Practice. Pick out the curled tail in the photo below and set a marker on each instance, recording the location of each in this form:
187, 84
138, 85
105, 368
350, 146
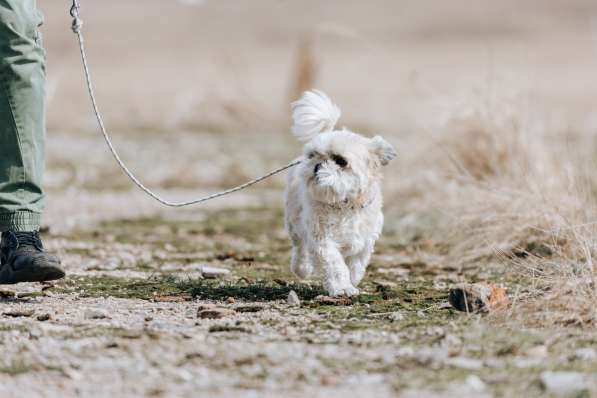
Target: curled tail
312, 114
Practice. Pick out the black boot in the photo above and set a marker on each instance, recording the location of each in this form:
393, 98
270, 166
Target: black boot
23, 259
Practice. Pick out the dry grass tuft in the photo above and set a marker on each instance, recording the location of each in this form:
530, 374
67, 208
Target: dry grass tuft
518, 197
306, 69
483, 148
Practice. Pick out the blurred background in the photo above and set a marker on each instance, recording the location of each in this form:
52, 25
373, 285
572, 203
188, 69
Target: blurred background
197, 92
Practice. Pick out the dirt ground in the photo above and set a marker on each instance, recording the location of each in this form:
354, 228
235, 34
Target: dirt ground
197, 95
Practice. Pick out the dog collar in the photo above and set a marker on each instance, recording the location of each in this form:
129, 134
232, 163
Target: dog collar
345, 205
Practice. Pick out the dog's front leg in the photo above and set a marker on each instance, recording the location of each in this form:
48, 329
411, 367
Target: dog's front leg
336, 276
357, 264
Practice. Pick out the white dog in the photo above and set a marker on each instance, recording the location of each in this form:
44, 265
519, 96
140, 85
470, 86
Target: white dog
333, 199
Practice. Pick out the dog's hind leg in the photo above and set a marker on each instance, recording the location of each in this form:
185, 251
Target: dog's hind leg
300, 264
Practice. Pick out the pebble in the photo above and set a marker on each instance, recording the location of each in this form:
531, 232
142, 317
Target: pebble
477, 297
293, 299
43, 317
228, 328
213, 272
249, 308
19, 313
215, 313
207, 306
396, 316
92, 313
563, 383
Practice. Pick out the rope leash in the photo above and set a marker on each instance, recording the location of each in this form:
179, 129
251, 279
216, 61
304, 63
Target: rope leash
76, 27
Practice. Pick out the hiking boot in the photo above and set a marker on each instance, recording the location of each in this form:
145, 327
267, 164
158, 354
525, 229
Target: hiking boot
23, 259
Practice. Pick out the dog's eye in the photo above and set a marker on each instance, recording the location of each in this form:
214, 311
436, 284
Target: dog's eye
339, 160
311, 155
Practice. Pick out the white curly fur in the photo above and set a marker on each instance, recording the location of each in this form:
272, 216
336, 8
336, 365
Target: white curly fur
333, 199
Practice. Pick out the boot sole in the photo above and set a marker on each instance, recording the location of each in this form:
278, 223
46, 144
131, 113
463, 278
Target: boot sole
38, 275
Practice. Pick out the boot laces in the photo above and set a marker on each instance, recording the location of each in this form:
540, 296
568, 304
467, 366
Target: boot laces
29, 239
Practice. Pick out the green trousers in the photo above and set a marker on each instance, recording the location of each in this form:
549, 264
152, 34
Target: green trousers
22, 116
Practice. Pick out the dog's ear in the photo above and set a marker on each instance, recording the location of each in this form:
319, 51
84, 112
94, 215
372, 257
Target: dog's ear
384, 151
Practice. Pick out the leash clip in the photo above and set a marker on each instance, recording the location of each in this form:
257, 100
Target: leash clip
74, 13
74, 10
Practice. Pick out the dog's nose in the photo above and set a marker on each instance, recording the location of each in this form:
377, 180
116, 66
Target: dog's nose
317, 167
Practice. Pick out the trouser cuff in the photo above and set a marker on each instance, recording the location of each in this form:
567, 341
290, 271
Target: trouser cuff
20, 221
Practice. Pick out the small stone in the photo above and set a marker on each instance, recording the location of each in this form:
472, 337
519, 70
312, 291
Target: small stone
19, 313
213, 272
94, 313
563, 383
172, 298
215, 313
396, 316
148, 319
231, 300
477, 297
249, 308
293, 299
43, 317
228, 328
206, 306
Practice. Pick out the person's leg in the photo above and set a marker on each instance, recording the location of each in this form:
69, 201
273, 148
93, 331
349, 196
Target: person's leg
22, 116
22, 139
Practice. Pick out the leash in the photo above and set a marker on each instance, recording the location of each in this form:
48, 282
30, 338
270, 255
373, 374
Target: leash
76, 27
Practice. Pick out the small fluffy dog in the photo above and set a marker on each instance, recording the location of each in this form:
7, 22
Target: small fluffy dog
333, 198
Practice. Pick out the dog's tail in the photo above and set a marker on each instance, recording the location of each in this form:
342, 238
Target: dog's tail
312, 114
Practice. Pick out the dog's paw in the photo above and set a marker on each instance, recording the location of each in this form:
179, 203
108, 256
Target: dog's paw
347, 291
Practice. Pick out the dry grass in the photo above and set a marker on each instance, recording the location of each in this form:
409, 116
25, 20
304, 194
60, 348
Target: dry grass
305, 69
522, 197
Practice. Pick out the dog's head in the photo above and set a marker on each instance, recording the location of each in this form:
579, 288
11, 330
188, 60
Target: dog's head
341, 166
